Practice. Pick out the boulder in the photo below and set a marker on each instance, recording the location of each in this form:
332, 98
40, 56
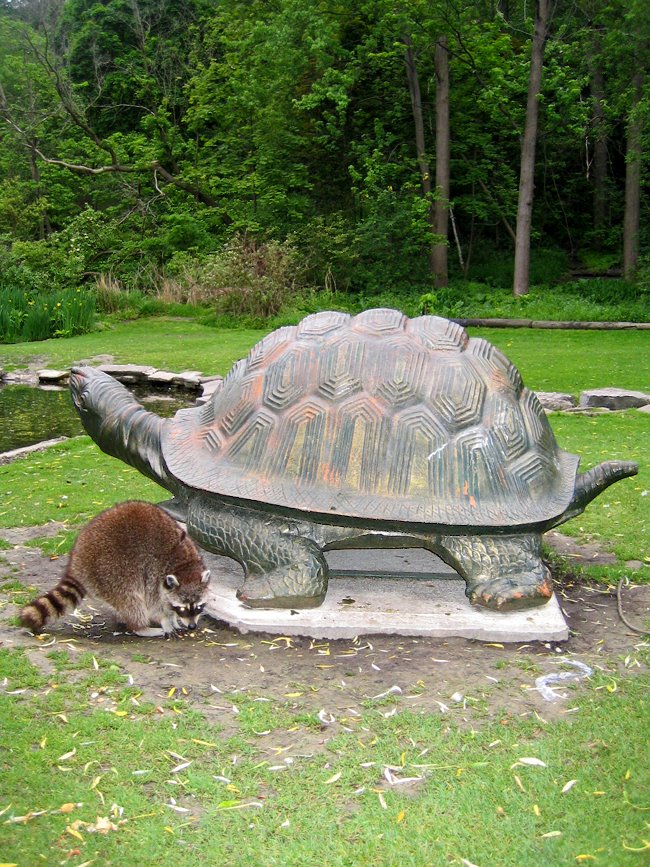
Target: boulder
188, 379
209, 386
128, 372
53, 377
556, 401
614, 398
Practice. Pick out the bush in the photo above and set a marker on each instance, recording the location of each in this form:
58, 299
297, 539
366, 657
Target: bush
247, 279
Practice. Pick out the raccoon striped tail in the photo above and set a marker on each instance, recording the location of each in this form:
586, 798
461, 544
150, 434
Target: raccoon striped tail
67, 594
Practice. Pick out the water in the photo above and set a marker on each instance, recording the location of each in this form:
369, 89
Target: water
29, 415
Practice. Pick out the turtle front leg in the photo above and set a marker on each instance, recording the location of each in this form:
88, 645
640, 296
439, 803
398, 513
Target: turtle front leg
282, 568
504, 573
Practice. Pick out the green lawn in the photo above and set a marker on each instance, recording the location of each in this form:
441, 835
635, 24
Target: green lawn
123, 782
169, 344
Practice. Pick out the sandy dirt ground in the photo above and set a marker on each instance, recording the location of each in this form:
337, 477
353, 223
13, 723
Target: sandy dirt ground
467, 680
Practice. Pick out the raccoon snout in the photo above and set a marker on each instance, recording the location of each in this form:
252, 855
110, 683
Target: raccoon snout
191, 626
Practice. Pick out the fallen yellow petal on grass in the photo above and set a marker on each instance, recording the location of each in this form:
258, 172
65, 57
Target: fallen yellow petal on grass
74, 833
586, 858
67, 756
333, 779
644, 848
400, 816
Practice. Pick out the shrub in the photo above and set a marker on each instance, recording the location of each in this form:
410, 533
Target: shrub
247, 278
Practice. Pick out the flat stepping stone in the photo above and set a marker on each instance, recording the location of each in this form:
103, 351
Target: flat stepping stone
188, 379
53, 376
614, 398
161, 377
128, 372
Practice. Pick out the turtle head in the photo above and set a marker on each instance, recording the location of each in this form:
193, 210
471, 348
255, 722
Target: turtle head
118, 423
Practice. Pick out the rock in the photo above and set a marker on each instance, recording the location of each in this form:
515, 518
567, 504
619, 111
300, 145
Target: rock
188, 379
8, 457
20, 377
556, 401
210, 386
635, 565
53, 377
161, 377
645, 408
128, 372
614, 398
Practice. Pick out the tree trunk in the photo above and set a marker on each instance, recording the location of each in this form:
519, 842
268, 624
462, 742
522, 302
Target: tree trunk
441, 205
45, 228
633, 180
600, 137
418, 121
527, 170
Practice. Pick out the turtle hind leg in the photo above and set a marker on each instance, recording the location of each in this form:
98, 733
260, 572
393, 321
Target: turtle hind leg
503, 573
283, 569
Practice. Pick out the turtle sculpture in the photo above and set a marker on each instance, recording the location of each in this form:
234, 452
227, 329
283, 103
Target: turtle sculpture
360, 431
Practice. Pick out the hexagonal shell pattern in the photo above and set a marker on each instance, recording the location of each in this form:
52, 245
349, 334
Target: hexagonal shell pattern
376, 417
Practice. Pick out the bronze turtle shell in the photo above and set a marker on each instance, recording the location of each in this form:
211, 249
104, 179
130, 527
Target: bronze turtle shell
381, 417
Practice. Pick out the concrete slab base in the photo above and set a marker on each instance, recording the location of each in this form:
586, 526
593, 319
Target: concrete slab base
399, 592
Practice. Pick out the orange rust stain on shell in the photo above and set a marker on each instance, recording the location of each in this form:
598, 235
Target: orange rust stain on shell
466, 488
472, 501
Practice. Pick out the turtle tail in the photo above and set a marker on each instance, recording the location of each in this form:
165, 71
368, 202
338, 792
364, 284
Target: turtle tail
120, 425
595, 481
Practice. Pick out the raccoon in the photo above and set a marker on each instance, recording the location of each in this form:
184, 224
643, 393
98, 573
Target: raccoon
135, 557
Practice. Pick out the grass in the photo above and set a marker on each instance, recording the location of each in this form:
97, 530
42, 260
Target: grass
169, 344
70, 482
620, 517
573, 361
73, 740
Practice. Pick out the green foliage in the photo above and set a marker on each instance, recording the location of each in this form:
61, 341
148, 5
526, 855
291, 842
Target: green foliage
186, 124
28, 316
246, 280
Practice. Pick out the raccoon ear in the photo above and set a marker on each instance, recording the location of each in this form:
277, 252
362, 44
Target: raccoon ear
205, 576
171, 581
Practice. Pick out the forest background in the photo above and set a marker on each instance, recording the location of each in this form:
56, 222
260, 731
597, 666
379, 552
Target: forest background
255, 160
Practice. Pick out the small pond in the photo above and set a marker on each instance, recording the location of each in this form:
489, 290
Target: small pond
29, 415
